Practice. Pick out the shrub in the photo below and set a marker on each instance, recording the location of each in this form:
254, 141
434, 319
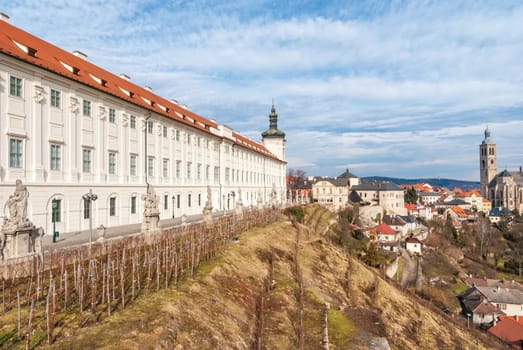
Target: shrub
296, 212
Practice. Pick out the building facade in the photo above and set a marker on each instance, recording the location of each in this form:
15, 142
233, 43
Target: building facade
67, 126
385, 194
504, 189
334, 192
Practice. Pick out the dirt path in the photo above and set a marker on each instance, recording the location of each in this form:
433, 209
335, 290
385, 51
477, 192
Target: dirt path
409, 270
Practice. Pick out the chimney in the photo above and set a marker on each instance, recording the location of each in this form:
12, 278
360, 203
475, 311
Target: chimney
4, 17
125, 77
520, 169
80, 54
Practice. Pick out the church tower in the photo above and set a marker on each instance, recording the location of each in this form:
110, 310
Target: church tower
487, 164
273, 138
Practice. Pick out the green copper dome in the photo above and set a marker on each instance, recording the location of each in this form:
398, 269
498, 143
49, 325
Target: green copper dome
273, 130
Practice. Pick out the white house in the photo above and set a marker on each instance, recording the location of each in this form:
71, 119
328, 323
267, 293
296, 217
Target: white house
67, 126
414, 245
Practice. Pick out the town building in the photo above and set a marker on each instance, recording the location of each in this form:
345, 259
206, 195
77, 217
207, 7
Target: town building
414, 245
429, 198
485, 301
510, 330
334, 192
504, 189
68, 126
385, 194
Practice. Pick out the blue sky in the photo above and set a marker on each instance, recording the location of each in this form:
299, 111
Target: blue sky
392, 88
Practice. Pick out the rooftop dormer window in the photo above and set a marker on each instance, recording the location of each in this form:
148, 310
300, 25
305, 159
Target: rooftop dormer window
71, 69
28, 50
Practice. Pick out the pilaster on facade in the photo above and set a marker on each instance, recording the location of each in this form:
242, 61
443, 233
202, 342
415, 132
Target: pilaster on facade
70, 136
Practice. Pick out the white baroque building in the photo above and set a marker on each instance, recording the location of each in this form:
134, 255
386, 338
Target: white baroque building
67, 126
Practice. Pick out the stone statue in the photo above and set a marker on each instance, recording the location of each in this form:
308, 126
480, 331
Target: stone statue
273, 196
19, 236
17, 205
207, 209
151, 214
150, 201
208, 204
259, 201
239, 203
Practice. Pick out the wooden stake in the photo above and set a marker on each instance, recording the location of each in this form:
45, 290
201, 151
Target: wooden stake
28, 343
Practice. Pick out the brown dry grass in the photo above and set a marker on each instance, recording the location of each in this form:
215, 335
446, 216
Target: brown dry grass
216, 308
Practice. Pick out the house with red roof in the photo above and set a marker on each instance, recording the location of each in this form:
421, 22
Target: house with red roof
385, 233
414, 245
510, 330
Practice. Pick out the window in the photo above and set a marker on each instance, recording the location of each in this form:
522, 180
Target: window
133, 205
216, 173
15, 153
112, 115
199, 171
86, 160
178, 201
56, 210
112, 206
199, 140
132, 165
150, 166
189, 166
226, 174
207, 172
165, 202
87, 209
56, 157
164, 131
165, 167
188, 138
178, 168
177, 135
132, 122
150, 126
112, 163
55, 98
189, 200
15, 86
199, 199
87, 108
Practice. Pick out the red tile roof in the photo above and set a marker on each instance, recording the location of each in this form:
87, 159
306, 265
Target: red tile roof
413, 240
509, 330
384, 229
411, 206
23, 46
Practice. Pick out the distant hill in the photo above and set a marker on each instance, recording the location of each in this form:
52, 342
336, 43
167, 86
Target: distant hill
448, 183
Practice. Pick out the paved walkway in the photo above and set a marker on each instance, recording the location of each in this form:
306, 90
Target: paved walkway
69, 239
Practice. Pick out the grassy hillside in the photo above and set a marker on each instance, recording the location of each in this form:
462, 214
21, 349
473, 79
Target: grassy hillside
250, 298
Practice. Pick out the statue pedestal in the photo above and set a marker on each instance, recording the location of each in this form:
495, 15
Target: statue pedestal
207, 215
151, 223
20, 242
239, 208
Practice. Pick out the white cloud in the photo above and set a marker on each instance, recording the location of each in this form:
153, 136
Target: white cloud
391, 87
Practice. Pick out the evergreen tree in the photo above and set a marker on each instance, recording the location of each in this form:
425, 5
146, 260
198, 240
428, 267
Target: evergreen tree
411, 196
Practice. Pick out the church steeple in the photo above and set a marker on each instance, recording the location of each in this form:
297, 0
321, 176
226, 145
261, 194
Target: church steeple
273, 130
273, 138
487, 164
